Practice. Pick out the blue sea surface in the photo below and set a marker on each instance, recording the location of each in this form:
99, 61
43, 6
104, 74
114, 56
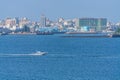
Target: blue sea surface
66, 58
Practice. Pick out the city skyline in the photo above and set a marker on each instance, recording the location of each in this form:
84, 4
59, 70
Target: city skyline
54, 9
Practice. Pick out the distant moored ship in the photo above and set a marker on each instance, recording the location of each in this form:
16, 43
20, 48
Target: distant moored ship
44, 33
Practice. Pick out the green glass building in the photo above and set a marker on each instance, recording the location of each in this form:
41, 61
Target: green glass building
98, 24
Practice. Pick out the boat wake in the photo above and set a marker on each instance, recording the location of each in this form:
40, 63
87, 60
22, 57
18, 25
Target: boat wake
110, 57
37, 53
62, 55
103, 56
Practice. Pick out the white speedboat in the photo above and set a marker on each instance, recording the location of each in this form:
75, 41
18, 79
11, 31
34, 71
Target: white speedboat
39, 53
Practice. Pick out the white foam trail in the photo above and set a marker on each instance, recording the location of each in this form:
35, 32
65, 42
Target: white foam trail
101, 56
20, 55
61, 55
37, 53
110, 57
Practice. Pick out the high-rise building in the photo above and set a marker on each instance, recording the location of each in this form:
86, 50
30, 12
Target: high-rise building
2, 23
43, 21
96, 24
16, 20
9, 22
24, 21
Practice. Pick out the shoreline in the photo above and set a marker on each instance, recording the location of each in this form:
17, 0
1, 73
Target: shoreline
86, 36
22, 34
70, 36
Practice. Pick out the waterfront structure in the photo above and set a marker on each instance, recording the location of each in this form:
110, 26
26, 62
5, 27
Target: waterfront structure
92, 24
63, 25
26, 28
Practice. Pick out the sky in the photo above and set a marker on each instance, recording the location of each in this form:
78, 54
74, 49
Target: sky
54, 9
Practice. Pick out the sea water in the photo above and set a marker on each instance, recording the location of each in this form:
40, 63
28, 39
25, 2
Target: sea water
66, 58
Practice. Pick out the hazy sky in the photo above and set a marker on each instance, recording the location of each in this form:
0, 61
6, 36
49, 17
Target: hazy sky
54, 9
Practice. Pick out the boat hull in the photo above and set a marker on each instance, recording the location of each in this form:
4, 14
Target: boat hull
116, 35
